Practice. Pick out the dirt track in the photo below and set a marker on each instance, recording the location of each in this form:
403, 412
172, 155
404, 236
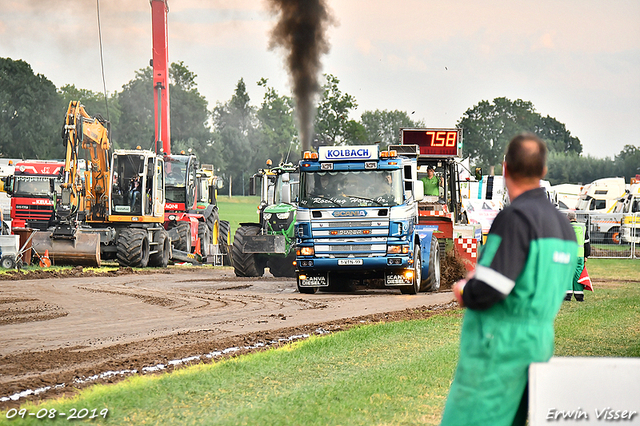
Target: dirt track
62, 331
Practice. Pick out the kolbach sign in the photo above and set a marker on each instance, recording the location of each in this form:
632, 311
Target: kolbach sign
343, 153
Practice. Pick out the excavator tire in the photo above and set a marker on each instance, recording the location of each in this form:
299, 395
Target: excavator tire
161, 257
133, 248
246, 264
183, 242
224, 241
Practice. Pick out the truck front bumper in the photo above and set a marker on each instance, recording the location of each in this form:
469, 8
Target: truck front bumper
318, 272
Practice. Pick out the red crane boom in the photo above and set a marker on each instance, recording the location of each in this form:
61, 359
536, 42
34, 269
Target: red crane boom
159, 10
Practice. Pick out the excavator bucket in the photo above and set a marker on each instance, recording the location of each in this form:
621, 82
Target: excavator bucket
84, 249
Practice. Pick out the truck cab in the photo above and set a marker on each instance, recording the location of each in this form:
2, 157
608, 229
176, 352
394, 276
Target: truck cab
34, 188
596, 207
356, 220
629, 207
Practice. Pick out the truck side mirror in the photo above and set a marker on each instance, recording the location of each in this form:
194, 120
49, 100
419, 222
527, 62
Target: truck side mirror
252, 185
8, 185
418, 190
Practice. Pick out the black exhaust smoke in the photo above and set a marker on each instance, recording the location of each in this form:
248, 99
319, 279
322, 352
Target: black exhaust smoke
301, 32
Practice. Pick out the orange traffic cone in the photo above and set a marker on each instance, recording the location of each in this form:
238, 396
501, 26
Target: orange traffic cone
45, 262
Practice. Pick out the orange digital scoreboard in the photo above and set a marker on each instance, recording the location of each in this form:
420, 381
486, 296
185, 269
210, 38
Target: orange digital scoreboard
434, 142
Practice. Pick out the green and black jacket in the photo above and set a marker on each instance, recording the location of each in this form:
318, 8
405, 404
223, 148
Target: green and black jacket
529, 244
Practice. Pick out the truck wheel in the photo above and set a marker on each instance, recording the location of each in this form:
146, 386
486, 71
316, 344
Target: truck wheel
613, 236
432, 283
224, 241
282, 266
183, 243
414, 288
133, 248
204, 234
161, 258
246, 264
306, 290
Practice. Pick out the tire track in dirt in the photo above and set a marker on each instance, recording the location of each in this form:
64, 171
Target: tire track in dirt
128, 322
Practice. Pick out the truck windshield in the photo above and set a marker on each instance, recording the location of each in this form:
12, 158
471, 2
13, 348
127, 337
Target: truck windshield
176, 173
35, 186
358, 188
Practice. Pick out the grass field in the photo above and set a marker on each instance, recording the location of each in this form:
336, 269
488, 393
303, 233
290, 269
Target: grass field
237, 210
388, 373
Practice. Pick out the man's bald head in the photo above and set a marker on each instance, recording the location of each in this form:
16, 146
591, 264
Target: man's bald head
526, 158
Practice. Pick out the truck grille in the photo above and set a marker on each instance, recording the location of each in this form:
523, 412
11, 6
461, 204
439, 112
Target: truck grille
25, 212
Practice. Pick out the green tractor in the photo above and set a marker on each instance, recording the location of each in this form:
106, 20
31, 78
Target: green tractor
269, 243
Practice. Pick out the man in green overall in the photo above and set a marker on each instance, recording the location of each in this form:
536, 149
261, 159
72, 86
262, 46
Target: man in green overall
584, 251
512, 297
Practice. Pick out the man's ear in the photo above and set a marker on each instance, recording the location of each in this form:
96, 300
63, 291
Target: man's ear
544, 172
505, 171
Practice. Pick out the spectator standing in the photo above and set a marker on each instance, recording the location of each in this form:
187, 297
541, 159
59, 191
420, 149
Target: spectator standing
512, 297
584, 251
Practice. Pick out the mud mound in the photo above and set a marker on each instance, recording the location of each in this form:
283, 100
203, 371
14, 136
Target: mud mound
452, 270
77, 271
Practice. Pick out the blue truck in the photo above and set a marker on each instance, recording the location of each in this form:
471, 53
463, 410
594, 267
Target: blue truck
363, 217
357, 220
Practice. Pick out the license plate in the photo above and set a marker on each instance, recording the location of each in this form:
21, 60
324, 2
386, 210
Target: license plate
349, 261
314, 281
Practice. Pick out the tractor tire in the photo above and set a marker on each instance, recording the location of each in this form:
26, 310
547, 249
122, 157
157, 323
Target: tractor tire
306, 290
183, 243
211, 223
133, 248
161, 257
414, 288
282, 266
432, 283
204, 234
224, 241
246, 264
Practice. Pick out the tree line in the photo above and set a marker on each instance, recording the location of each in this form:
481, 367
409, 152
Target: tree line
237, 136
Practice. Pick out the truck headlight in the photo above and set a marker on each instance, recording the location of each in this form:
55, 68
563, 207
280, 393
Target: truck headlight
305, 251
398, 249
267, 216
282, 216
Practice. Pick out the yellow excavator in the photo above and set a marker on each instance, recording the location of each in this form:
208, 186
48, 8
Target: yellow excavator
115, 209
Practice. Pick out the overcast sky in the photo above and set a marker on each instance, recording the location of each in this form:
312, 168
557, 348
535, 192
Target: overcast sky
576, 60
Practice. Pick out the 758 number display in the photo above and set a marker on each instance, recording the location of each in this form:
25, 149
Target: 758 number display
437, 142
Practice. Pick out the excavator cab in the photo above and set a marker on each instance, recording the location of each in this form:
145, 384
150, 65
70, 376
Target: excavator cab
137, 179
